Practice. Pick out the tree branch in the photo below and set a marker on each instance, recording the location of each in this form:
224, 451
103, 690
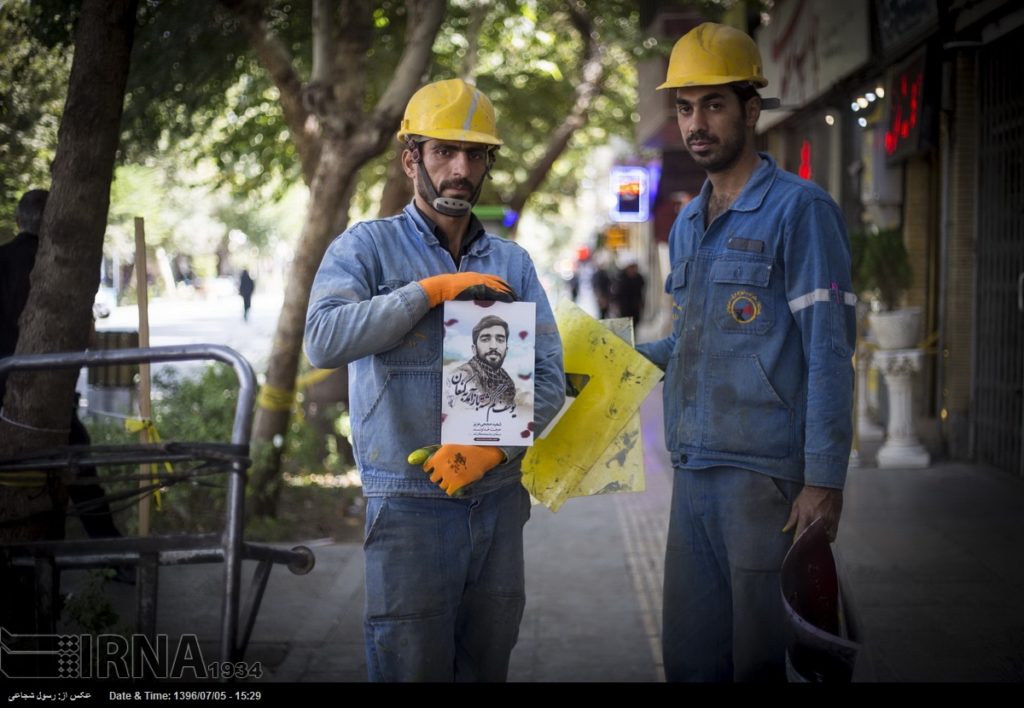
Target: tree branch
425, 18
276, 59
587, 91
477, 14
342, 111
323, 41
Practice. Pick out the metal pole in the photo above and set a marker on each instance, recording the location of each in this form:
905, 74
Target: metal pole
145, 397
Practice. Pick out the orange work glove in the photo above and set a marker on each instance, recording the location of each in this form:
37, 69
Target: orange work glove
452, 467
448, 287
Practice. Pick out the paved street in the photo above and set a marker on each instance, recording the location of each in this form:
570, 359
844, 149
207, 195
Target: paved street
216, 320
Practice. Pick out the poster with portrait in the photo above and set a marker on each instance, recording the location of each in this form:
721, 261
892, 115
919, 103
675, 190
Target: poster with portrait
488, 373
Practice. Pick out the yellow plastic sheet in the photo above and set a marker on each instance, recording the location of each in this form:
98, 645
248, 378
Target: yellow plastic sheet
594, 447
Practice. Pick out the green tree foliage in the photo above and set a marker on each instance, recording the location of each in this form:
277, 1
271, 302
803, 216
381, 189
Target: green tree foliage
198, 90
185, 211
197, 93
33, 81
529, 60
232, 91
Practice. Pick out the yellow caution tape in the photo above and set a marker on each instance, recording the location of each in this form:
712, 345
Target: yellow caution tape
137, 425
312, 377
275, 399
595, 446
27, 478
927, 344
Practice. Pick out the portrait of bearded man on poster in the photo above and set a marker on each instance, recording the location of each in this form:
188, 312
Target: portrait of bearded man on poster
481, 382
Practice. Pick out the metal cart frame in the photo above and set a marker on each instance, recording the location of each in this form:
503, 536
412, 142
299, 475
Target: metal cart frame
149, 553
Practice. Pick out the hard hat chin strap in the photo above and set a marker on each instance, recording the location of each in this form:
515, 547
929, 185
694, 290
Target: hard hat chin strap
444, 205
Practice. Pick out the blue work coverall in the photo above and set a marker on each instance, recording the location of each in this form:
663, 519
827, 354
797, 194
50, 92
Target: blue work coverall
758, 399
444, 577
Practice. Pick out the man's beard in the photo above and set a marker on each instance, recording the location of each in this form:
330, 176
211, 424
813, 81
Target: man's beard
729, 149
496, 364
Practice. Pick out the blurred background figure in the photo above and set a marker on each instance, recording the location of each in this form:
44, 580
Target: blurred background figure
246, 285
17, 259
628, 289
601, 283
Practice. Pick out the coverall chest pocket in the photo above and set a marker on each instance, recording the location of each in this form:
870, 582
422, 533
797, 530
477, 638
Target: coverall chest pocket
420, 345
741, 296
676, 286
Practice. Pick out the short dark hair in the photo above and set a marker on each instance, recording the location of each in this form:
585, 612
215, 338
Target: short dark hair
745, 91
488, 322
28, 216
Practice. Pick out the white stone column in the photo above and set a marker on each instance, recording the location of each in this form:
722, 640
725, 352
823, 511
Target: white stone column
867, 429
901, 448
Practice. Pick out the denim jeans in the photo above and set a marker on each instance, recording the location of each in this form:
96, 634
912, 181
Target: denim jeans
444, 585
723, 617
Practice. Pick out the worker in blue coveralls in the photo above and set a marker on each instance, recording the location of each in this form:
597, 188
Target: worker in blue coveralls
444, 544
759, 379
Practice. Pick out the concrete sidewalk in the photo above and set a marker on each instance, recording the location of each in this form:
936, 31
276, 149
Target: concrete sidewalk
934, 562
932, 557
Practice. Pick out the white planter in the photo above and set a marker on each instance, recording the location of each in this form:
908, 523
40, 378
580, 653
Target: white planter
898, 329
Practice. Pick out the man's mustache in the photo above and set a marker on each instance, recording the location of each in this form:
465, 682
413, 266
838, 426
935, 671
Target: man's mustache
699, 135
460, 183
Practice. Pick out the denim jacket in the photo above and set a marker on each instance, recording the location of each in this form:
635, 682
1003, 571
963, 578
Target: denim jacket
367, 310
758, 366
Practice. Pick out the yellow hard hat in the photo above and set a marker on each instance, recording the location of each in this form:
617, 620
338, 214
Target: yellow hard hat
711, 54
450, 110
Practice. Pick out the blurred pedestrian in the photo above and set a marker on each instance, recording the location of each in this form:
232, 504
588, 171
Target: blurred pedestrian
628, 290
601, 283
246, 285
17, 259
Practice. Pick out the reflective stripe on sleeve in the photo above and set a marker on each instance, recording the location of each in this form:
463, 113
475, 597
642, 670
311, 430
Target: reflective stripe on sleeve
819, 295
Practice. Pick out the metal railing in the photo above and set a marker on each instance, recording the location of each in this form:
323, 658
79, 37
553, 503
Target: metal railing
149, 553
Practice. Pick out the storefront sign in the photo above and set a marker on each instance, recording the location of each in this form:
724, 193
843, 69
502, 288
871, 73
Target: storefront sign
911, 113
631, 194
902, 22
808, 46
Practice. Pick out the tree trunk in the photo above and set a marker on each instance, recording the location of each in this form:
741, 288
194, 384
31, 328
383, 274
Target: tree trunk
397, 188
58, 313
327, 216
348, 138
